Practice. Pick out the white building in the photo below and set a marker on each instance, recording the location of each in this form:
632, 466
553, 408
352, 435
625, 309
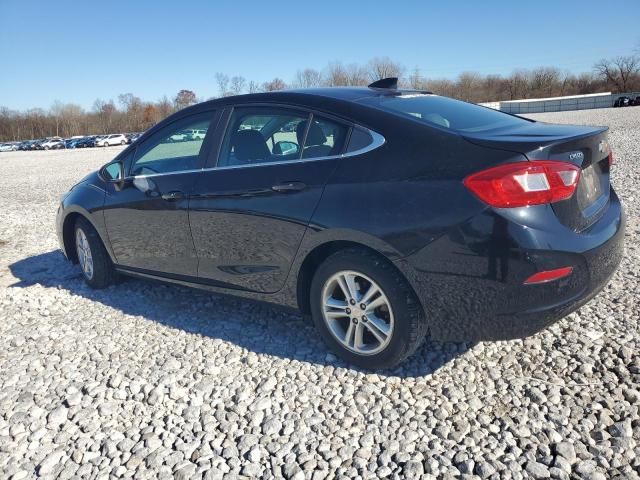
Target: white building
558, 104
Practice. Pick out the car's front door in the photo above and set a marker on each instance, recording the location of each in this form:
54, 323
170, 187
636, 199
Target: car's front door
249, 213
146, 215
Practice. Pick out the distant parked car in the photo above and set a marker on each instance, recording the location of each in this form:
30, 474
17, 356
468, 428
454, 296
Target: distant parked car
86, 142
195, 134
53, 143
26, 145
8, 147
181, 136
72, 142
134, 136
109, 140
37, 144
636, 102
622, 102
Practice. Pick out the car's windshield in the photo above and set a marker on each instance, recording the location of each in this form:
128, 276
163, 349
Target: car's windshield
445, 112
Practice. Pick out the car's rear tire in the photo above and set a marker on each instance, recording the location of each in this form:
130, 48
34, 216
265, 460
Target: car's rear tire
97, 268
373, 330
122, 142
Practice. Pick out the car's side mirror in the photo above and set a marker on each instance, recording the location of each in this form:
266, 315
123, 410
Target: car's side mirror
286, 148
113, 172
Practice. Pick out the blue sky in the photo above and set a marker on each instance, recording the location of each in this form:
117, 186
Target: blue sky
77, 51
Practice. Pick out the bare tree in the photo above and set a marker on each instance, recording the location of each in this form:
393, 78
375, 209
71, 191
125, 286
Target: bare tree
441, 87
164, 108
469, 86
356, 75
133, 111
105, 111
517, 85
416, 81
308, 78
619, 71
133, 114
237, 84
273, 85
543, 80
383, 67
337, 75
223, 84
253, 87
56, 113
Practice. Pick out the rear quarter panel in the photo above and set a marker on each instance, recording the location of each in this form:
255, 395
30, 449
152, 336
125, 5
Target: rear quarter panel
409, 191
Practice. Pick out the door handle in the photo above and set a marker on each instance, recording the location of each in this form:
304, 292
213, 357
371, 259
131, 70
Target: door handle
289, 187
172, 196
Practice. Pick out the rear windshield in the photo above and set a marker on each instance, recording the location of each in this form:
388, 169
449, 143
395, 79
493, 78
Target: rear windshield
445, 112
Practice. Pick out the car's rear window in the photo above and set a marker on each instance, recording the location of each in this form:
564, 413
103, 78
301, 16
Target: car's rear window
444, 112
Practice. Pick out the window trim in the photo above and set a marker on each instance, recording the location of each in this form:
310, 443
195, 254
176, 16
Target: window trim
212, 163
217, 132
378, 141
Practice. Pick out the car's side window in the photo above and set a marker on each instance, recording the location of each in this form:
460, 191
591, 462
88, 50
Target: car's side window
113, 171
325, 138
359, 139
258, 135
172, 149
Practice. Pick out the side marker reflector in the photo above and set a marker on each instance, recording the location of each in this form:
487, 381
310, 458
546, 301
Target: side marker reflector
548, 275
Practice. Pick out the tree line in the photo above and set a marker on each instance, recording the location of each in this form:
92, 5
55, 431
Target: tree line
129, 113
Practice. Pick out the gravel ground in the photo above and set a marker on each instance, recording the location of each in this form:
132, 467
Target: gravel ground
157, 381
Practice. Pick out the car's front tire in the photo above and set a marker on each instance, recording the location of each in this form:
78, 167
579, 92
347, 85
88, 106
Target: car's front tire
365, 310
97, 268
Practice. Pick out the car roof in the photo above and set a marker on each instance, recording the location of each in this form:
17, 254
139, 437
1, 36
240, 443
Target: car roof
342, 102
344, 94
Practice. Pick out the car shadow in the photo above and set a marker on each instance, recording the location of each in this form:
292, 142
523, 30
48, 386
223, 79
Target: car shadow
256, 327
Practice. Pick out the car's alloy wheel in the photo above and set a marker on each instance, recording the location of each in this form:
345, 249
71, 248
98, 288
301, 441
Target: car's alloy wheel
84, 254
365, 309
123, 142
97, 268
357, 312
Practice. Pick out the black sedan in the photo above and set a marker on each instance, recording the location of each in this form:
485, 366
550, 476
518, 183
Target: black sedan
385, 214
86, 142
622, 102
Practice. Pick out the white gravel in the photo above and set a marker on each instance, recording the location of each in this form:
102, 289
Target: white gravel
156, 381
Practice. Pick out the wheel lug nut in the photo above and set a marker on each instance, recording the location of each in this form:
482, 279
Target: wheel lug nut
363, 306
355, 321
348, 310
364, 318
352, 302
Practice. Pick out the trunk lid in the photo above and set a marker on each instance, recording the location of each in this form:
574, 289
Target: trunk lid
585, 147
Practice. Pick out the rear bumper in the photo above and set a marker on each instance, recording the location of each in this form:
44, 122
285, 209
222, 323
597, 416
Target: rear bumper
470, 281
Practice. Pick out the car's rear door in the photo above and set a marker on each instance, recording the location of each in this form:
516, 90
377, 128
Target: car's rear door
249, 210
147, 216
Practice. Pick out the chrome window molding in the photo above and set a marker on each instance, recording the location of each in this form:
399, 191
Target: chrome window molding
377, 141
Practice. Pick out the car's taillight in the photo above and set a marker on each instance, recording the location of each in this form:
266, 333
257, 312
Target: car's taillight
524, 183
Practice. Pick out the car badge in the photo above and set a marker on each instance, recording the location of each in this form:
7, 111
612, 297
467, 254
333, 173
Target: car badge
576, 156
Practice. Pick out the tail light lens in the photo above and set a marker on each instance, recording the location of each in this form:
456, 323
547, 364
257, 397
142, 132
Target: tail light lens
524, 183
611, 161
